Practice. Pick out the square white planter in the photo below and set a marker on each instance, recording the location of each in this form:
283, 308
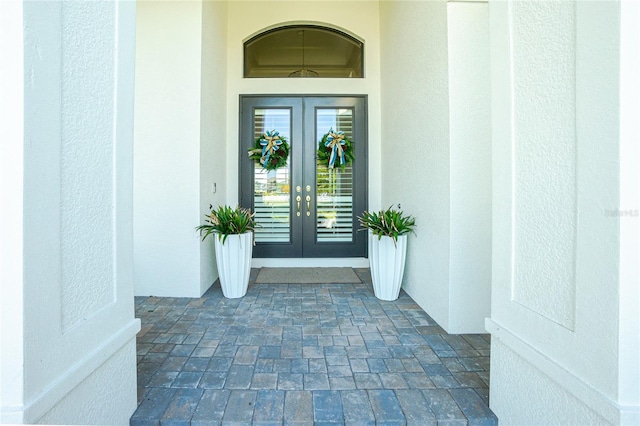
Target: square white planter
386, 261
233, 259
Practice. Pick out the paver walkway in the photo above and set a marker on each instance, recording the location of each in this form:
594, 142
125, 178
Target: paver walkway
305, 354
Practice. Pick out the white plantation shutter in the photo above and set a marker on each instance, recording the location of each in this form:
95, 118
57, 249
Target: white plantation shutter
334, 197
272, 188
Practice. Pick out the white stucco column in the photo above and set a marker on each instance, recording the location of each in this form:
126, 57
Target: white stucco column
629, 296
437, 155
11, 210
180, 139
564, 320
415, 124
470, 166
68, 329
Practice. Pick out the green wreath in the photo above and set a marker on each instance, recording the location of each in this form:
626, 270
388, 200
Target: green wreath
335, 149
271, 151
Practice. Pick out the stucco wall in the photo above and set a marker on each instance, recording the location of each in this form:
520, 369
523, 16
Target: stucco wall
213, 121
629, 330
97, 400
77, 272
470, 166
179, 129
544, 402
11, 211
556, 245
436, 119
416, 170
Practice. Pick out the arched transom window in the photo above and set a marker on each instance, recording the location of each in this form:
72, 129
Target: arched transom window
303, 51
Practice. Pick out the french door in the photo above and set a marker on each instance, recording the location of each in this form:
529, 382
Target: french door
305, 208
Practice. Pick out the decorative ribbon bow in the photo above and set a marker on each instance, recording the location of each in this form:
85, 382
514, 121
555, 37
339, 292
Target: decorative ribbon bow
335, 141
270, 142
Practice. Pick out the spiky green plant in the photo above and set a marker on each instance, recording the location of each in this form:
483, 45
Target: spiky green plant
390, 222
225, 221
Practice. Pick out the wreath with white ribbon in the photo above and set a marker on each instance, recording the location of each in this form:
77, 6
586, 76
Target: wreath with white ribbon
335, 149
271, 150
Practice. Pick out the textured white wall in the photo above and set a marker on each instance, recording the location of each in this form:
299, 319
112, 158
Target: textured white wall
544, 131
98, 399
359, 18
11, 211
416, 167
436, 117
77, 283
213, 122
629, 331
470, 166
556, 171
538, 399
167, 149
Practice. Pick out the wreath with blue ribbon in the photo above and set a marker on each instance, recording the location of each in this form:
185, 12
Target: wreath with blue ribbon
271, 150
335, 149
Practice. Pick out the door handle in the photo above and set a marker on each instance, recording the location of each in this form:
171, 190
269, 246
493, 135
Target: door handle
308, 198
298, 199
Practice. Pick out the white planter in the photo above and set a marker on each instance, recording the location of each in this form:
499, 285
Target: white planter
386, 261
233, 259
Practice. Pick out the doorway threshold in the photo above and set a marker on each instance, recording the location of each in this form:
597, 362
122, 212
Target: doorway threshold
308, 276
350, 262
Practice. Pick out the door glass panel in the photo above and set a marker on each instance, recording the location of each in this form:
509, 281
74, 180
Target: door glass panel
334, 194
272, 188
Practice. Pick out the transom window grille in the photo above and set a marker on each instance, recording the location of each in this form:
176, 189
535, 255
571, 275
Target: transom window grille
303, 51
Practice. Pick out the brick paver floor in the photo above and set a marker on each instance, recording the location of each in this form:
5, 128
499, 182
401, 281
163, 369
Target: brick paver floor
305, 354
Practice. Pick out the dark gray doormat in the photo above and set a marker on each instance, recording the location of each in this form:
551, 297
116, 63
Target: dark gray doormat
307, 276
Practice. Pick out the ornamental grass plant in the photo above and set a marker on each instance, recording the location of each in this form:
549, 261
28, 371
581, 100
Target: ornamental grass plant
225, 221
390, 222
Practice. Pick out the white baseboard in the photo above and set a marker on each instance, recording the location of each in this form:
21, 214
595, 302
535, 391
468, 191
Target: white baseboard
51, 395
11, 414
585, 393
